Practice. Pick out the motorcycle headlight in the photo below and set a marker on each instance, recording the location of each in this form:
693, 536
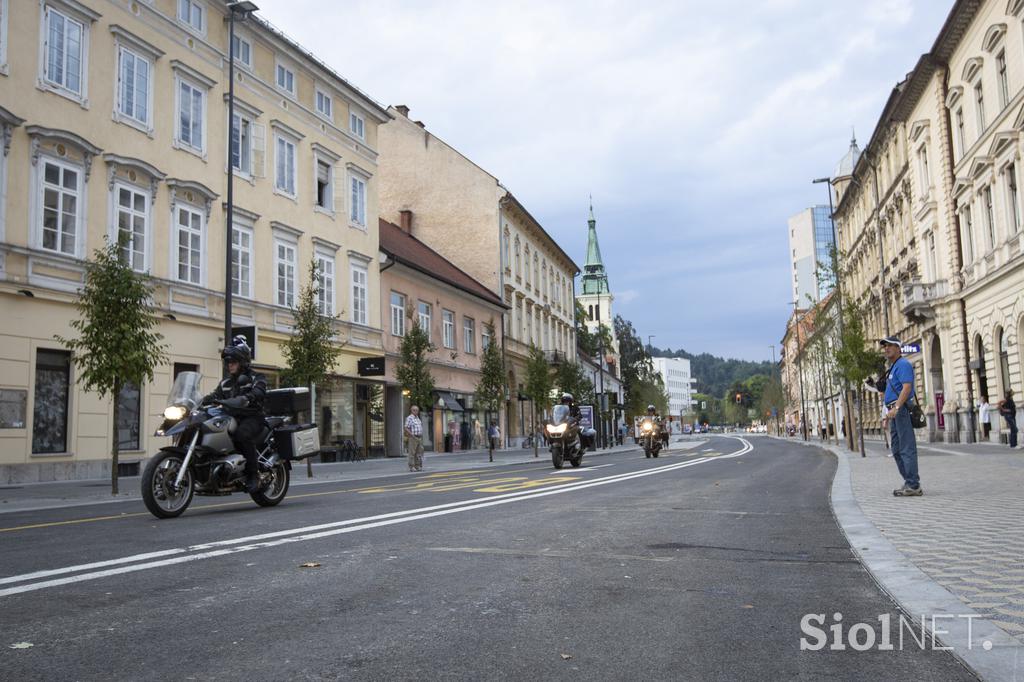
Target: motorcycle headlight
647, 426
557, 429
174, 412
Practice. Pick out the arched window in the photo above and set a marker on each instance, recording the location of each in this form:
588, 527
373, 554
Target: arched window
590, 312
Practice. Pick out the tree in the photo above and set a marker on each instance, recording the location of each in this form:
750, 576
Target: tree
570, 377
412, 369
773, 400
118, 342
311, 352
856, 360
490, 390
538, 385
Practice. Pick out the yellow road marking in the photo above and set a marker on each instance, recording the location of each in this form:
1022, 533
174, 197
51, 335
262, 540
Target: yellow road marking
525, 485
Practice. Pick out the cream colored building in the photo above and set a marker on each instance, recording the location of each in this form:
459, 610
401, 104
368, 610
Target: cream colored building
115, 119
465, 214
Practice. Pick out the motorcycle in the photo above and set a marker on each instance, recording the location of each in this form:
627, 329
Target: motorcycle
650, 437
203, 459
563, 433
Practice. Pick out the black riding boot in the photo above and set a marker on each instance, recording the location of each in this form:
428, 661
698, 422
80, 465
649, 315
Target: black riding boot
252, 476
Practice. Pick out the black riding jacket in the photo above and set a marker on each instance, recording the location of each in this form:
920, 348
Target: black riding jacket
248, 383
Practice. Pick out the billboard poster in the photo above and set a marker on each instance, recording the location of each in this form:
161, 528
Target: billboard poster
587, 416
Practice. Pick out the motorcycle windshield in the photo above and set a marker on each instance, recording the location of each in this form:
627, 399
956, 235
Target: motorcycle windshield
560, 414
185, 391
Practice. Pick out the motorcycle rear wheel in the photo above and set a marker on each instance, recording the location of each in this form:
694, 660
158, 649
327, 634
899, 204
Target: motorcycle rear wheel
158, 477
276, 490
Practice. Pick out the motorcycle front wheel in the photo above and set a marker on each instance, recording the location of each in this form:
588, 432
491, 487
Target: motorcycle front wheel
162, 499
557, 457
276, 488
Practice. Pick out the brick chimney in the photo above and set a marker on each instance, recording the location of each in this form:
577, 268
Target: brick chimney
405, 221
402, 109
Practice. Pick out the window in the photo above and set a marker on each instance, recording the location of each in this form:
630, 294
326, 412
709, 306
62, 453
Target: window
536, 272
922, 163
1004, 358
132, 222
485, 338
50, 401
284, 265
448, 328
519, 264
323, 104
189, 227
961, 146
1012, 195
241, 144
243, 51
359, 278
544, 281
325, 284
129, 416
990, 220
241, 262
191, 112
506, 262
519, 319
967, 228
64, 51
192, 13
4, 11
423, 315
356, 125
979, 102
286, 79
397, 314
1004, 83
357, 212
133, 77
933, 266
284, 165
61, 207
526, 255
468, 335
324, 185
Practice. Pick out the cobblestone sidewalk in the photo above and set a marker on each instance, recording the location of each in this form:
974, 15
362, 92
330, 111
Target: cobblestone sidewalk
966, 532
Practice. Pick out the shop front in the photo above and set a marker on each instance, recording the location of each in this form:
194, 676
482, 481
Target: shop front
351, 415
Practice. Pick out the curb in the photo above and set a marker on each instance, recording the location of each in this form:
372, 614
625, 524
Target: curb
917, 594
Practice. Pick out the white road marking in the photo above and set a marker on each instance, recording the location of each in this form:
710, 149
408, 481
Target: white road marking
278, 538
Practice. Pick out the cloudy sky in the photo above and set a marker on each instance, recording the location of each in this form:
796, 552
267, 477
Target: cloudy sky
696, 125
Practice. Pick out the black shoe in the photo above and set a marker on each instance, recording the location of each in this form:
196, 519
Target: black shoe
252, 482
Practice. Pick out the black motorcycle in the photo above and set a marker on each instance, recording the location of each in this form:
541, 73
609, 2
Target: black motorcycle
203, 459
650, 436
563, 432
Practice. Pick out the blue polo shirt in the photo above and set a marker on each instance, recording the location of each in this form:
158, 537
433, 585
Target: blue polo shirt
902, 372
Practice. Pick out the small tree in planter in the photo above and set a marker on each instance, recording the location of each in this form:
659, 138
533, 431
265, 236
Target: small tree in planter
538, 386
856, 361
118, 342
490, 391
412, 369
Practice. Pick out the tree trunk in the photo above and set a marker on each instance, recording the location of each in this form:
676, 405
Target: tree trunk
860, 422
534, 434
115, 444
312, 419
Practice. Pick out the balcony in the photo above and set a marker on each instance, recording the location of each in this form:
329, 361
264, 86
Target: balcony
919, 298
555, 357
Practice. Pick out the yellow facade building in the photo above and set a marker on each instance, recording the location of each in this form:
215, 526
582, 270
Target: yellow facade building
115, 120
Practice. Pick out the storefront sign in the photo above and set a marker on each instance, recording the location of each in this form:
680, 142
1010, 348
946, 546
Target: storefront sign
940, 402
587, 416
910, 348
371, 367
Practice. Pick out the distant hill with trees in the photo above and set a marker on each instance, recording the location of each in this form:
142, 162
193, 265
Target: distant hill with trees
716, 375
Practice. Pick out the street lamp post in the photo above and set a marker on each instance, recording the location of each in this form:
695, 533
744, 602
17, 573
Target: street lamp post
800, 371
244, 8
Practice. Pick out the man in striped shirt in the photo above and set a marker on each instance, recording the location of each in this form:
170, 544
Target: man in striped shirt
414, 439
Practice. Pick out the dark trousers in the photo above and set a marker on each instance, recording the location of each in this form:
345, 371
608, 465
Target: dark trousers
986, 428
1011, 422
245, 436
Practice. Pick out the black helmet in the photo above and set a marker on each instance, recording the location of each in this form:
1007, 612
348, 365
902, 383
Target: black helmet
238, 351
651, 408
567, 399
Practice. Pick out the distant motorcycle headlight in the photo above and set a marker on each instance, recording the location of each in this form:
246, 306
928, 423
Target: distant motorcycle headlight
174, 412
557, 429
647, 426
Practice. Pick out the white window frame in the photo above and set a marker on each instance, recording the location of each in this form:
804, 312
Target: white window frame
357, 125
425, 320
4, 11
80, 196
359, 279
448, 328
469, 335
923, 170
287, 140
180, 143
186, 21
325, 286
397, 313
357, 189
967, 226
245, 63
81, 95
321, 95
979, 105
146, 214
485, 339
178, 207
1013, 197
988, 207
285, 297
246, 173
958, 132
280, 67
319, 158
146, 124
249, 251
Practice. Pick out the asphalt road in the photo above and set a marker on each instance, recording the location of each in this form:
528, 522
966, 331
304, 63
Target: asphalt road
696, 565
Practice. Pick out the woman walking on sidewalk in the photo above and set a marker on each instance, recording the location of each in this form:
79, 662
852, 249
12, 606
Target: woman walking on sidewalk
1008, 409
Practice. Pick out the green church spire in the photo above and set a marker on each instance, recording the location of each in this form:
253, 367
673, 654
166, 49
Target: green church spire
594, 280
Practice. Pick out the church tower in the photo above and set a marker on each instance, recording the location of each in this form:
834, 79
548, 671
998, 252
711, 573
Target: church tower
595, 296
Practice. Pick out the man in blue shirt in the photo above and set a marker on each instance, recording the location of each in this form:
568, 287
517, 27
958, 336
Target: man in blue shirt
899, 389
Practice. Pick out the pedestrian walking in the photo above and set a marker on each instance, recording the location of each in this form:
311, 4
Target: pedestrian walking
494, 435
985, 413
1008, 409
414, 439
899, 390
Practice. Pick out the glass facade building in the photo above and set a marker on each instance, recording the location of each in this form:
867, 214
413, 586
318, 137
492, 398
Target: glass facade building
823, 245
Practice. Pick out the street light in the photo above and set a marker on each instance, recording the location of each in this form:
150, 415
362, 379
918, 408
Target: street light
244, 8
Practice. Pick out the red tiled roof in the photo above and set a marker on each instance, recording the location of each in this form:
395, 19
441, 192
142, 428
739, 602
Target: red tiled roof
412, 253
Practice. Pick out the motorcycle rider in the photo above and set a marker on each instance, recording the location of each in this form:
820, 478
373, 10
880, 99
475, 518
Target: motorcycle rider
574, 412
243, 382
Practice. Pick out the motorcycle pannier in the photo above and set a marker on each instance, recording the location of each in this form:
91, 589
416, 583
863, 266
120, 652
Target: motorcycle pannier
286, 401
297, 441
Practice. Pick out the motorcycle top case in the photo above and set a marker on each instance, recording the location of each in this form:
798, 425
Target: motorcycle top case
282, 401
297, 441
